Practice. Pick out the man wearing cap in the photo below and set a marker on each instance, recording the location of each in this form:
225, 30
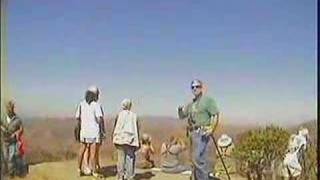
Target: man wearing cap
203, 117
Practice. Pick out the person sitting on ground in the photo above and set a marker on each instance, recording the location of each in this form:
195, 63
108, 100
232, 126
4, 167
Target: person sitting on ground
224, 144
144, 156
170, 156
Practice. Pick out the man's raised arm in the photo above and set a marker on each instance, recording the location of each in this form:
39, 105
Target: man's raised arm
183, 111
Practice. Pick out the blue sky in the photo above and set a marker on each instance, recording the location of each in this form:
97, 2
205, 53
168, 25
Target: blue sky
257, 57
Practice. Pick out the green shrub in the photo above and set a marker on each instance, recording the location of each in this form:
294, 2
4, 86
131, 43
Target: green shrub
310, 164
257, 149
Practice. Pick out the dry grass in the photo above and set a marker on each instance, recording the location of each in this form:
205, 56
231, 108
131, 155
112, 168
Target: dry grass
66, 170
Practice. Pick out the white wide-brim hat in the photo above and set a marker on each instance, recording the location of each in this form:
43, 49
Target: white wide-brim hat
224, 140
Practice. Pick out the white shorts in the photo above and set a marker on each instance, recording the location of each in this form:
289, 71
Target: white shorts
90, 140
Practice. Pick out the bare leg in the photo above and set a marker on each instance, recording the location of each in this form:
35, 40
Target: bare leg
97, 157
92, 157
86, 156
83, 147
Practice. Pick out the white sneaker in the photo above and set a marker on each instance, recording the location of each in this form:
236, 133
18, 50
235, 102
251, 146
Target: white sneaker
80, 172
94, 174
155, 169
187, 173
87, 171
213, 176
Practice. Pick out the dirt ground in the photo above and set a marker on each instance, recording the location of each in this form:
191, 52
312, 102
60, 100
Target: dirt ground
67, 170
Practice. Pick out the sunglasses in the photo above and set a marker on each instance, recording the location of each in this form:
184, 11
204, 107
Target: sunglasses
194, 87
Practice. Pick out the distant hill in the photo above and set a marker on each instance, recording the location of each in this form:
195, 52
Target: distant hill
52, 139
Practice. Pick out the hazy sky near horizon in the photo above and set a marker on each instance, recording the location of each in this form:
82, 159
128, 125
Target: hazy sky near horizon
257, 57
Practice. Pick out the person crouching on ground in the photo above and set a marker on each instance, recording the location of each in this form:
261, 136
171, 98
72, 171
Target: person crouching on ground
144, 160
225, 144
126, 140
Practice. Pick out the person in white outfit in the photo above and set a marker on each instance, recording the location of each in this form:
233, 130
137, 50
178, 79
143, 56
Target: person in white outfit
126, 139
292, 167
90, 115
102, 131
294, 159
